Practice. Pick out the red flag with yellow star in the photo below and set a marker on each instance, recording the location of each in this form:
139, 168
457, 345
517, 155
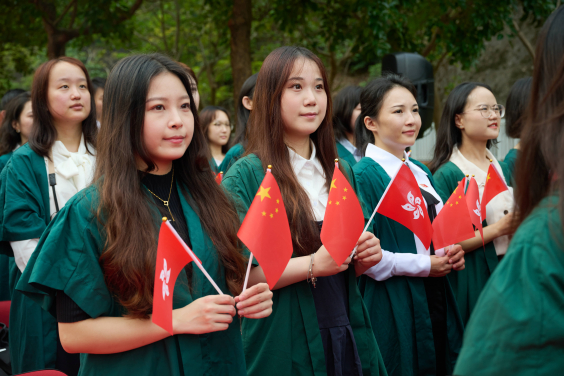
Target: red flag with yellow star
344, 221
266, 231
453, 223
495, 184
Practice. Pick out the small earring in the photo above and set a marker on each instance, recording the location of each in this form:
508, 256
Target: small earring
17, 130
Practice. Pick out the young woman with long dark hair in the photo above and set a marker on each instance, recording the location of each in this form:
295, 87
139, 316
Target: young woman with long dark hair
216, 125
346, 108
409, 285
517, 327
42, 175
312, 331
244, 108
97, 262
515, 113
469, 125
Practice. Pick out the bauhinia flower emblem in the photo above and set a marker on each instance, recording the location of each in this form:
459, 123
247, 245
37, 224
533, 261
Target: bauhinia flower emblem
478, 211
414, 205
165, 277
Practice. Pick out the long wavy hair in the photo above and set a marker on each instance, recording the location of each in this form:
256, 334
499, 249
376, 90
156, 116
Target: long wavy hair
43, 133
128, 259
9, 138
448, 134
267, 142
540, 167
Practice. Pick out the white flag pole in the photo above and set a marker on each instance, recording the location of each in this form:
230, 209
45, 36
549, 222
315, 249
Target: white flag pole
248, 272
377, 206
193, 256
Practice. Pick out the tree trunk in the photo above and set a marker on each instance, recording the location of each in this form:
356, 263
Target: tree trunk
240, 27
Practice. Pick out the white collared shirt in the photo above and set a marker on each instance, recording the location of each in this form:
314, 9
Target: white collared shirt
351, 148
74, 172
406, 264
311, 177
499, 205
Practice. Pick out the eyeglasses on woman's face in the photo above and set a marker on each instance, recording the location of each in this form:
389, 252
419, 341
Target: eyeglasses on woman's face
487, 111
220, 124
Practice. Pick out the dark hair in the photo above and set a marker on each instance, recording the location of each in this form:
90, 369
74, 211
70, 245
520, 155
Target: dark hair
371, 100
517, 102
207, 116
190, 72
448, 134
8, 96
247, 90
9, 138
43, 134
344, 103
98, 83
266, 141
125, 211
540, 167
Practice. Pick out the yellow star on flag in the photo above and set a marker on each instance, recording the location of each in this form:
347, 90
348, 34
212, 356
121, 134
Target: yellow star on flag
329, 202
337, 202
263, 193
271, 216
264, 214
333, 184
344, 197
345, 189
488, 177
276, 210
456, 202
277, 201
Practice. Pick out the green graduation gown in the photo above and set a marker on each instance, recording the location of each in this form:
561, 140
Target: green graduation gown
66, 260
4, 259
288, 342
510, 159
214, 167
231, 157
398, 306
24, 197
345, 154
517, 327
467, 284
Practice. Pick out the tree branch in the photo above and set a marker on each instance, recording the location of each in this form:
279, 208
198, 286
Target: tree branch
73, 17
131, 12
163, 26
524, 39
65, 11
177, 35
432, 43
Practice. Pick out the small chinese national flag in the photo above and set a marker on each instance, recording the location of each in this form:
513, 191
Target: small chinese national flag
453, 223
495, 184
473, 203
219, 177
343, 222
266, 231
172, 257
403, 203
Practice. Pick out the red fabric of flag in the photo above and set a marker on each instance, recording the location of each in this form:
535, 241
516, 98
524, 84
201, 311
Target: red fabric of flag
403, 203
219, 177
344, 221
172, 257
453, 223
495, 184
266, 231
474, 209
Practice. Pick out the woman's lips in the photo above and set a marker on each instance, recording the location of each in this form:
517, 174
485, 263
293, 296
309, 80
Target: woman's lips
175, 139
77, 107
409, 133
309, 115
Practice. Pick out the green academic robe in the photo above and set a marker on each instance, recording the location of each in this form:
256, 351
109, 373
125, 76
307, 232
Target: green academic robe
345, 154
510, 159
398, 306
66, 260
517, 327
288, 342
214, 167
467, 284
4, 259
231, 157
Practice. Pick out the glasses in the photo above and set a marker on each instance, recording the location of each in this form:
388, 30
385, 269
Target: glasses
486, 111
222, 124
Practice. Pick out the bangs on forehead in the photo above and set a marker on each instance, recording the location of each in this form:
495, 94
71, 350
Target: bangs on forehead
299, 65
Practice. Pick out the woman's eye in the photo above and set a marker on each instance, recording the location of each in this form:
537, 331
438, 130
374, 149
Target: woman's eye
319, 87
83, 86
159, 107
398, 112
415, 110
185, 106
297, 86
65, 87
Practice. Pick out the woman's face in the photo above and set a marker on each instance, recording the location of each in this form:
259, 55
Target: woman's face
398, 122
304, 100
219, 129
354, 115
68, 98
472, 124
24, 123
169, 124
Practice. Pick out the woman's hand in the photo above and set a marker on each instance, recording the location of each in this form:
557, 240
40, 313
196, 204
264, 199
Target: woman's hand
368, 253
324, 265
456, 257
255, 302
440, 266
212, 313
505, 225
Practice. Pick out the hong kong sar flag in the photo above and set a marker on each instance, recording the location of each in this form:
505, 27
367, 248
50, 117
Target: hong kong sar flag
473, 203
402, 202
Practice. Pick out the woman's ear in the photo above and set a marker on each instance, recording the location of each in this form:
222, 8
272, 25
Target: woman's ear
370, 124
248, 103
16, 126
458, 121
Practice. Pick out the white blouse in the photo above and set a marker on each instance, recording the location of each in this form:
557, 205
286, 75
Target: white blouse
406, 264
351, 148
74, 172
499, 205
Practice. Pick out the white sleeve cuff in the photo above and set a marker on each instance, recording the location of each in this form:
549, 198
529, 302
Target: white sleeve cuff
398, 264
23, 250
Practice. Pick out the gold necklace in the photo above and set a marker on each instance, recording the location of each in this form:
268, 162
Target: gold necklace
169, 192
